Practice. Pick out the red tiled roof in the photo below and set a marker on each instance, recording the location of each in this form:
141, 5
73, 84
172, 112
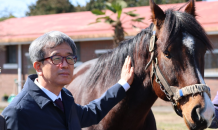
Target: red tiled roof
76, 25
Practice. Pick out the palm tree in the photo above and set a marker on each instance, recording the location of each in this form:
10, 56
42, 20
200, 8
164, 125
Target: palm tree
116, 7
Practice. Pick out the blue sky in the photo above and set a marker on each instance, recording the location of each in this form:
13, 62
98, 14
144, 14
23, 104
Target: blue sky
19, 7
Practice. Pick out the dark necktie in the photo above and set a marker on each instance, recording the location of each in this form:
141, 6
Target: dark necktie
59, 103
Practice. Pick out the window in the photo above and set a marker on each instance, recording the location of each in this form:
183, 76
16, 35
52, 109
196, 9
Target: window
78, 51
30, 69
211, 64
78, 63
100, 52
11, 56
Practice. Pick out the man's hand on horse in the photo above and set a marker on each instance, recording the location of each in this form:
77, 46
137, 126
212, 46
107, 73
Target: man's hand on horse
127, 72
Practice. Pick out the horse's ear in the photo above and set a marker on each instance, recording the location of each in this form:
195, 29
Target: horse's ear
158, 15
191, 8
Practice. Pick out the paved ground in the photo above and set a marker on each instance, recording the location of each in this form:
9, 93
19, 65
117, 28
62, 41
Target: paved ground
3, 104
162, 109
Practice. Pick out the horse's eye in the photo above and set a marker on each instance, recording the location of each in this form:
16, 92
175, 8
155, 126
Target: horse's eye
167, 54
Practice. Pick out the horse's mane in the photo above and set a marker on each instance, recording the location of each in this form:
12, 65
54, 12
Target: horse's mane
109, 65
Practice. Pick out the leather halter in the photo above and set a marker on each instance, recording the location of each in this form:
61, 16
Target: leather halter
172, 93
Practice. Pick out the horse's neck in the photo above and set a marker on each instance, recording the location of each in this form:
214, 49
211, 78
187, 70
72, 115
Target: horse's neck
134, 107
140, 97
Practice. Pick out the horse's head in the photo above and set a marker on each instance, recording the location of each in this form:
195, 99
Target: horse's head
177, 52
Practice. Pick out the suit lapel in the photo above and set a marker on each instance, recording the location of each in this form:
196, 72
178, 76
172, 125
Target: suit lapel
68, 103
38, 95
70, 110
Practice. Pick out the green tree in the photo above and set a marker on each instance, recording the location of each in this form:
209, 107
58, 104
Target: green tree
79, 8
43, 7
5, 13
95, 4
7, 17
116, 7
100, 4
135, 3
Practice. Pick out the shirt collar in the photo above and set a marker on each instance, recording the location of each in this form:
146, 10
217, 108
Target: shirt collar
47, 92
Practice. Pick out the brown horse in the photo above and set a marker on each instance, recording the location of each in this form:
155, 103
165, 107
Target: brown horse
168, 60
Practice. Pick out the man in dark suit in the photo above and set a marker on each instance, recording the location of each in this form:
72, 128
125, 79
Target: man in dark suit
44, 103
2, 123
214, 123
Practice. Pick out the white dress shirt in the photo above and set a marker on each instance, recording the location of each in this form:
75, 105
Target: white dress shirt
47, 92
123, 83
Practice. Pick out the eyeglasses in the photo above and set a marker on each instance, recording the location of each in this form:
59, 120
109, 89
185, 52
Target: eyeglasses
59, 59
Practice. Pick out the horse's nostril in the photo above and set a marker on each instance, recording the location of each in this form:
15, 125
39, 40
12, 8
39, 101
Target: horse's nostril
195, 114
199, 122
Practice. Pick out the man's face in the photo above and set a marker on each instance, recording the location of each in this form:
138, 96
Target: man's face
61, 74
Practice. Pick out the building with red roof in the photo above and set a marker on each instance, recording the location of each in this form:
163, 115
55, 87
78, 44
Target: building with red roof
16, 34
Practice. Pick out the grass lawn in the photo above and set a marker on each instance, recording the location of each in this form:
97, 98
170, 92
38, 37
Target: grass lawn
1, 109
170, 121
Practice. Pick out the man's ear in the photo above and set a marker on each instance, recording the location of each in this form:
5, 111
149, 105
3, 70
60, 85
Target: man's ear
38, 67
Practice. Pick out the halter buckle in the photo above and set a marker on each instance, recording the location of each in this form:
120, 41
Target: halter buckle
151, 47
156, 61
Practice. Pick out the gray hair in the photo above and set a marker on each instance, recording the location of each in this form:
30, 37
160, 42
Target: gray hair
50, 40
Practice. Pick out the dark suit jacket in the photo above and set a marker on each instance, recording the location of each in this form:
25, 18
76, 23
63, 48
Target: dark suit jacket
2, 123
32, 109
214, 123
